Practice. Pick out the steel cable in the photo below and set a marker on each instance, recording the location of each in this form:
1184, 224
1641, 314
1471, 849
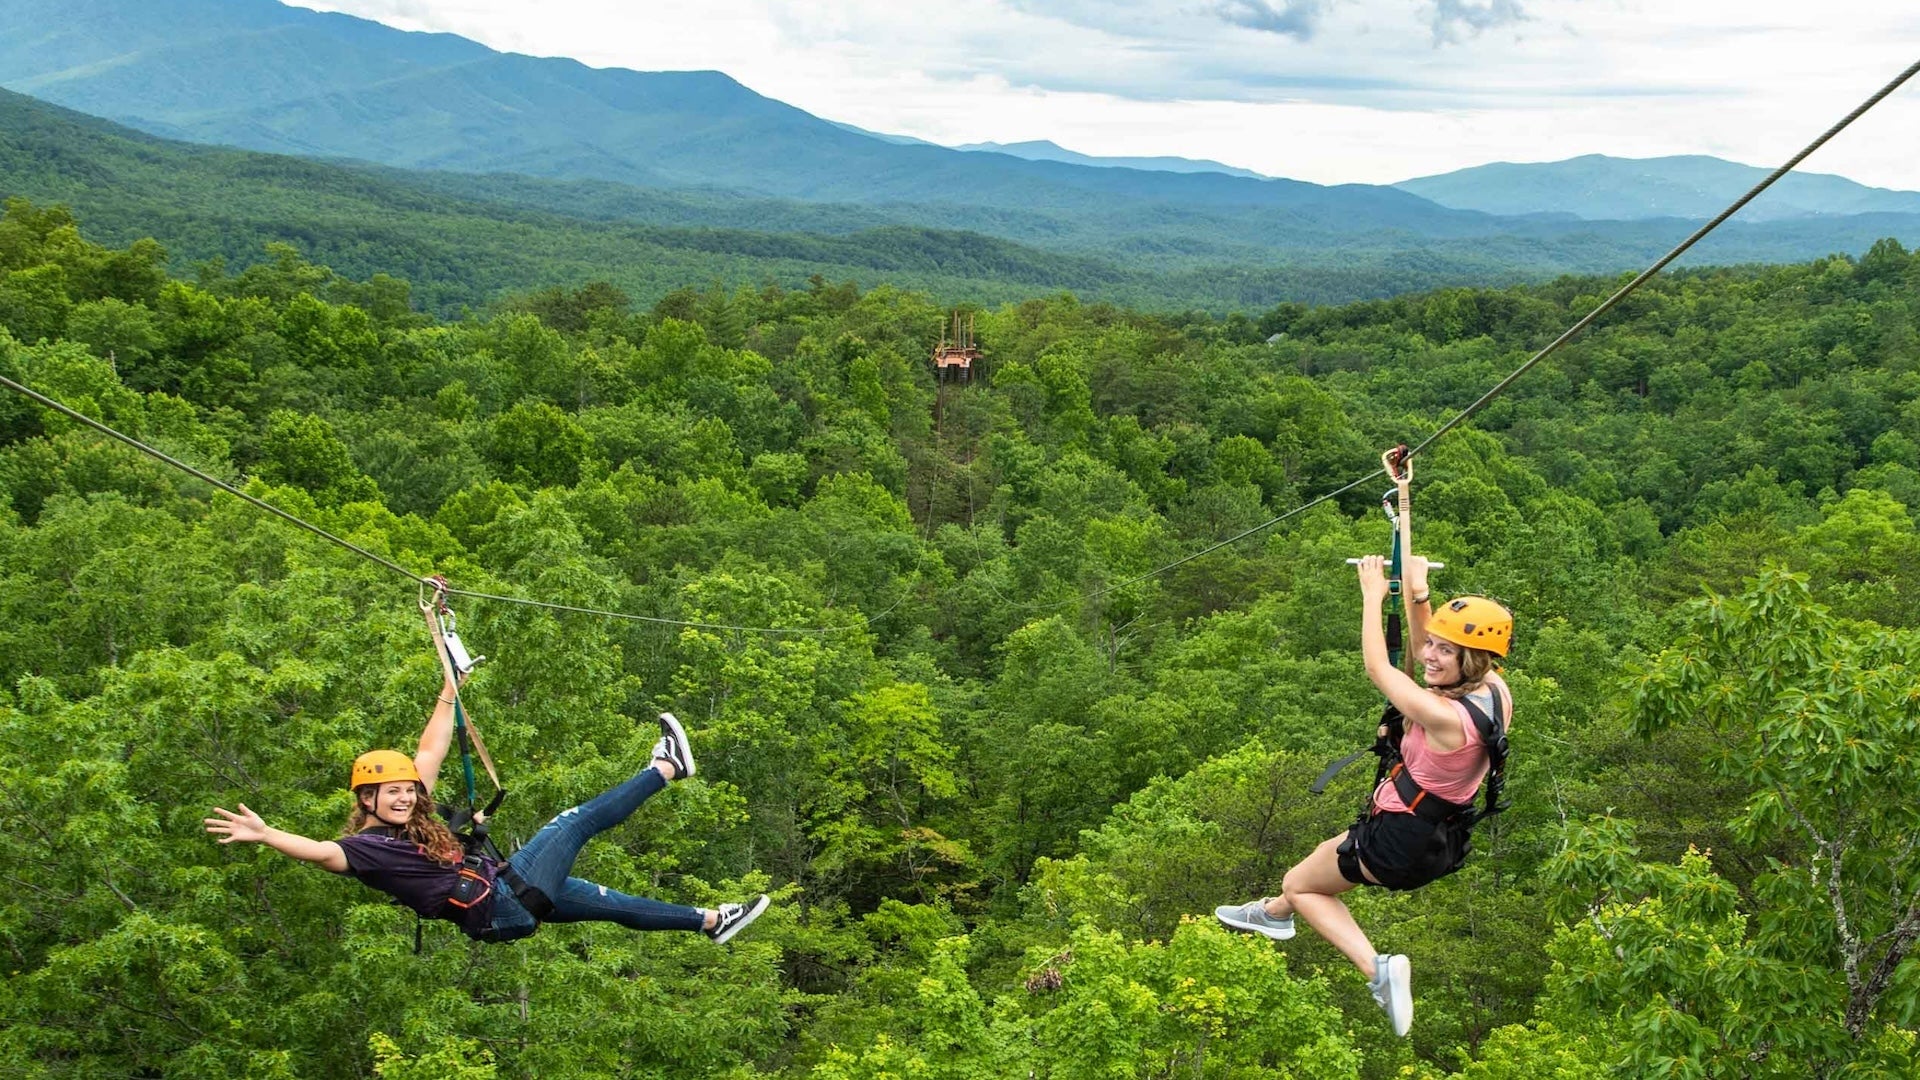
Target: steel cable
199, 474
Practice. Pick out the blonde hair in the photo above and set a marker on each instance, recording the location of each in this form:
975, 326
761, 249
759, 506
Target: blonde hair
1475, 666
423, 826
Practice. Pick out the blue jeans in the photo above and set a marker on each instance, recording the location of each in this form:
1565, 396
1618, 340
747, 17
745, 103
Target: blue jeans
545, 860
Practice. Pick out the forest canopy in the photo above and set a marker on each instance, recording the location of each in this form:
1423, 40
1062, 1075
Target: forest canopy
994, 776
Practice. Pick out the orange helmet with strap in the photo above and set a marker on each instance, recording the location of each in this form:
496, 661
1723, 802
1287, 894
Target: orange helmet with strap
382, 767
1474, 622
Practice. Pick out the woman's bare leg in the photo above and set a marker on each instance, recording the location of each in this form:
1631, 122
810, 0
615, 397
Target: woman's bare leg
1311, 890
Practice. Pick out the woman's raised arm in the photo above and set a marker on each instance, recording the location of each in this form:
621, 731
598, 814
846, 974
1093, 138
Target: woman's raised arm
1415, 702
1418, 596
437, 737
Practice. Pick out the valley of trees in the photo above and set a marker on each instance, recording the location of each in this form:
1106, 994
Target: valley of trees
995, 796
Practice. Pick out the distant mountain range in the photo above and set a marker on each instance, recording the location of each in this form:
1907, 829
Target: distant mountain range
699, 164
1596, 187
464, 240
1042, 150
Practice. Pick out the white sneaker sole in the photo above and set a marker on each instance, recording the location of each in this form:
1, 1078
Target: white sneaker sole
678, 735
1400, 994
1235, 922
753, 913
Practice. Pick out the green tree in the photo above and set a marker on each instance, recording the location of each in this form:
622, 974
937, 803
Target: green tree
305, 452
1807, 975
536, 443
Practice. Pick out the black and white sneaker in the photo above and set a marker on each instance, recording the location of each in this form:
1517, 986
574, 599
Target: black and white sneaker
673, 746
734, 918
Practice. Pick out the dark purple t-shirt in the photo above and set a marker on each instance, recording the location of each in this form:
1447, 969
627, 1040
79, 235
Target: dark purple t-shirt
401, 869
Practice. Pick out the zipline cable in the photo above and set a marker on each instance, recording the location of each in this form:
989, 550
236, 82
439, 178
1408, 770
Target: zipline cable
160, 456
165, 458
1568, 335
1301, 509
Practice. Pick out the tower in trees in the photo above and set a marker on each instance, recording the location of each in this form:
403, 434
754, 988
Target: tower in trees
953, 358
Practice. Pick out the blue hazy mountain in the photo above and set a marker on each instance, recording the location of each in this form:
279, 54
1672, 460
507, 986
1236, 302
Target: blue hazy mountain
260, 75
1597, 187
900, 140
1043, 150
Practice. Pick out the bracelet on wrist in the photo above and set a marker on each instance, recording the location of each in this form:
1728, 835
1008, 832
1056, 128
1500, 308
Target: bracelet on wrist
447, 700
1422, 598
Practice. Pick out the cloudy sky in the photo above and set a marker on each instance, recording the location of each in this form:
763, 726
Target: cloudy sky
1324, 90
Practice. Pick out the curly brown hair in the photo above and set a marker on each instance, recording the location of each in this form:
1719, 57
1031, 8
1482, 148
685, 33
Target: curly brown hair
423, 826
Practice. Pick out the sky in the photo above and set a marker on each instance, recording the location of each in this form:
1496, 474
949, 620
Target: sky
1329, 91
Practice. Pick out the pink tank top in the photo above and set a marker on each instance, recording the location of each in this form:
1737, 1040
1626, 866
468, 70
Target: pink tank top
1454, 775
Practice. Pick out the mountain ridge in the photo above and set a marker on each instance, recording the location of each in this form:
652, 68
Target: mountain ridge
466, 239
1599, 187
696, 150
1047, 150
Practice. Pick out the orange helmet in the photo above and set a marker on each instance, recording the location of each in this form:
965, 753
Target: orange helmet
1473, 622
383, 766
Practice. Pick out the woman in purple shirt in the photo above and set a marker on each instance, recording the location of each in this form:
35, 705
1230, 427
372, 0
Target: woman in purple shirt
396, 843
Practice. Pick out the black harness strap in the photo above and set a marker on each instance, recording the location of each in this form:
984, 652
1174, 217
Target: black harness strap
1427, 806
471, 828
537, 903
1420, 802
1326, 776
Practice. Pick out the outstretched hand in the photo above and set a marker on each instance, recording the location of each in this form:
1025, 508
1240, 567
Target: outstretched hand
244, 826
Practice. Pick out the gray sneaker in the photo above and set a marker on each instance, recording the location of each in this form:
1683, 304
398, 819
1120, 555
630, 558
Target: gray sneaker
1392, 987
1252, 917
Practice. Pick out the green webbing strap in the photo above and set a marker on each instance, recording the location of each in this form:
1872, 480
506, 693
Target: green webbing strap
1394, 462
466, 756
469, 736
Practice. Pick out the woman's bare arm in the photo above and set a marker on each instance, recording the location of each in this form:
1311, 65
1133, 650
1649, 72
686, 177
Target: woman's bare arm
437, 737
1419, 600
246, 827
1415, 702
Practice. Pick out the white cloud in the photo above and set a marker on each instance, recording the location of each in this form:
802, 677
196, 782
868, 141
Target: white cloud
1456, 20
1293, 18
1323, 90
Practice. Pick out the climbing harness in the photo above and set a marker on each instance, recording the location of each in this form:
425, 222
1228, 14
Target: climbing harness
1424, 804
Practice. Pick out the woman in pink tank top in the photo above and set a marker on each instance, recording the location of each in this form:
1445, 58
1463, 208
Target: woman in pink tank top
1402, 844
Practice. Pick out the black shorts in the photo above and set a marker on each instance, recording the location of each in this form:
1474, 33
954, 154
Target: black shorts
1403, 851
